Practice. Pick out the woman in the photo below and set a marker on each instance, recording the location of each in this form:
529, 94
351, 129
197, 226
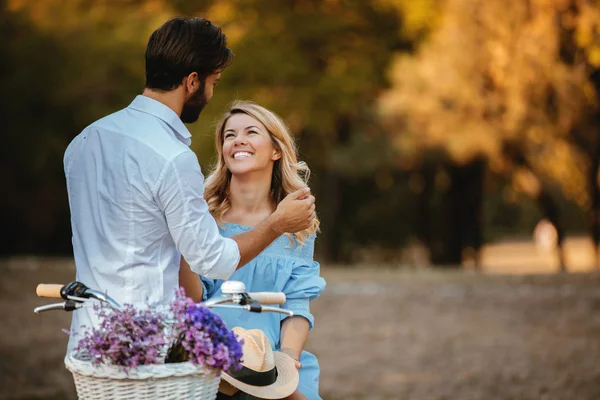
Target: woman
257, 167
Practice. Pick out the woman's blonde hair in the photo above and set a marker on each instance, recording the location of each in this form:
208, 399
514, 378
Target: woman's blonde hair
289, 174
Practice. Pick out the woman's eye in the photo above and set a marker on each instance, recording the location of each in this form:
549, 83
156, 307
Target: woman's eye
228, 135
252, 132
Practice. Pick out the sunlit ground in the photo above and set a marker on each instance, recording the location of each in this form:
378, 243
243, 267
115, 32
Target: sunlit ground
524, 257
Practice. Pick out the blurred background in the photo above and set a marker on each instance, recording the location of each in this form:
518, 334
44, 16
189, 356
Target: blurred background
431, 126
457, 138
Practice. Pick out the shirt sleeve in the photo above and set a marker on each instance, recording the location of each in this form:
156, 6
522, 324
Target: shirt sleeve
209, 287
305, 284
180, 193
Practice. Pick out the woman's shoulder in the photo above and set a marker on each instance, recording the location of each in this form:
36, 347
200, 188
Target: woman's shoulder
284, 247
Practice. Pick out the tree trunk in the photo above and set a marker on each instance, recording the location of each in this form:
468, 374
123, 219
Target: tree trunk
328, 206
473, 204
331, 192
424, 206
455, 218
593, 177
595, 206
462, 220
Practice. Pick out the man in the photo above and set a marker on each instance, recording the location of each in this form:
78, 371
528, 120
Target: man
136, 189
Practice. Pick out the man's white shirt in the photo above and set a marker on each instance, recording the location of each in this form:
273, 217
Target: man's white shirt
136, 194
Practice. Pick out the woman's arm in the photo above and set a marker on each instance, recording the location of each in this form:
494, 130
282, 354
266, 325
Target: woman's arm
190, 281
294, 332
304, 285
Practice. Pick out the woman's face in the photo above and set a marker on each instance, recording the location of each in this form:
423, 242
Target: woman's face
247, 146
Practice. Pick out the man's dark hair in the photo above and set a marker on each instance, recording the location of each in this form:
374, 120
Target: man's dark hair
182, 46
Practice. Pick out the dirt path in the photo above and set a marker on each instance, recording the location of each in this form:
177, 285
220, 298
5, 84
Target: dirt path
380, 334
432, 335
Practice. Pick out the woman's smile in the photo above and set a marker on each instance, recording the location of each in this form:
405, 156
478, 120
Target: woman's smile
241, 154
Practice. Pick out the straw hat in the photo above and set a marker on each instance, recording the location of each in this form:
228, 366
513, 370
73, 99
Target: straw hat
265, 373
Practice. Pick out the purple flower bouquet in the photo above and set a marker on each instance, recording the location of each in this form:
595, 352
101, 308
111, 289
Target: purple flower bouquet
131, 337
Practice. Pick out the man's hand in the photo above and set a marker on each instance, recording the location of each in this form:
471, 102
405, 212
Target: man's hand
294, 213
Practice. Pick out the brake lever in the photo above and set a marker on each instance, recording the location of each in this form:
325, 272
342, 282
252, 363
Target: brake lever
75, 289
68, 305
278, 310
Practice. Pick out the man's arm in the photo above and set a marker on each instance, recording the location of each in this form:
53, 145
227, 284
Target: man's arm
179, 193
190, 282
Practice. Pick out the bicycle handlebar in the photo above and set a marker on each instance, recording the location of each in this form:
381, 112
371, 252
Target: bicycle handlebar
73, 291
49, 290
234, 292
268, 297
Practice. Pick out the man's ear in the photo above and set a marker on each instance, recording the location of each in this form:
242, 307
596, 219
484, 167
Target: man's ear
192, 82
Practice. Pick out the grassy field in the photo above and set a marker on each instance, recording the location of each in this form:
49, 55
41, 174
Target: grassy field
381, 333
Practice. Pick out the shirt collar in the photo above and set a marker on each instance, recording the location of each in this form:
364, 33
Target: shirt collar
154, 107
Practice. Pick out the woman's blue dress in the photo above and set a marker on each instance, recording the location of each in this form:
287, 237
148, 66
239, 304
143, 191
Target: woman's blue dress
282, 267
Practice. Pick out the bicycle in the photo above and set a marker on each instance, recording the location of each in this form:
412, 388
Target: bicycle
154, 381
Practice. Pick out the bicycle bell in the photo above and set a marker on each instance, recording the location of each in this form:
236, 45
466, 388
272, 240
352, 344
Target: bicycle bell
233, 287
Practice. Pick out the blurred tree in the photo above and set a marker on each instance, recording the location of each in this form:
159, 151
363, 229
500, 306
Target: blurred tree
580, 47
67, 64
30, 184
492, 82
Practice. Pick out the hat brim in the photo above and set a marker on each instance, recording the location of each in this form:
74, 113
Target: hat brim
286, 383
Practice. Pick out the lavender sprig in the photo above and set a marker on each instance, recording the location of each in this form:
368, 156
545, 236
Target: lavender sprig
128, 337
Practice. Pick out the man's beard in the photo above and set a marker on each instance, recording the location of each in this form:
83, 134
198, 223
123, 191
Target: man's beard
194, 106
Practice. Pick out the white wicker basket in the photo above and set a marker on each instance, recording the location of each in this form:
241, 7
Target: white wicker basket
160, 381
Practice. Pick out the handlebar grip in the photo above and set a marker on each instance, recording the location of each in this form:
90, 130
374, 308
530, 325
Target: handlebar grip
49, 290
268, 297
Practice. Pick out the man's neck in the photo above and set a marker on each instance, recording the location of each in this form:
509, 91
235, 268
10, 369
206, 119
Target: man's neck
172, 98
